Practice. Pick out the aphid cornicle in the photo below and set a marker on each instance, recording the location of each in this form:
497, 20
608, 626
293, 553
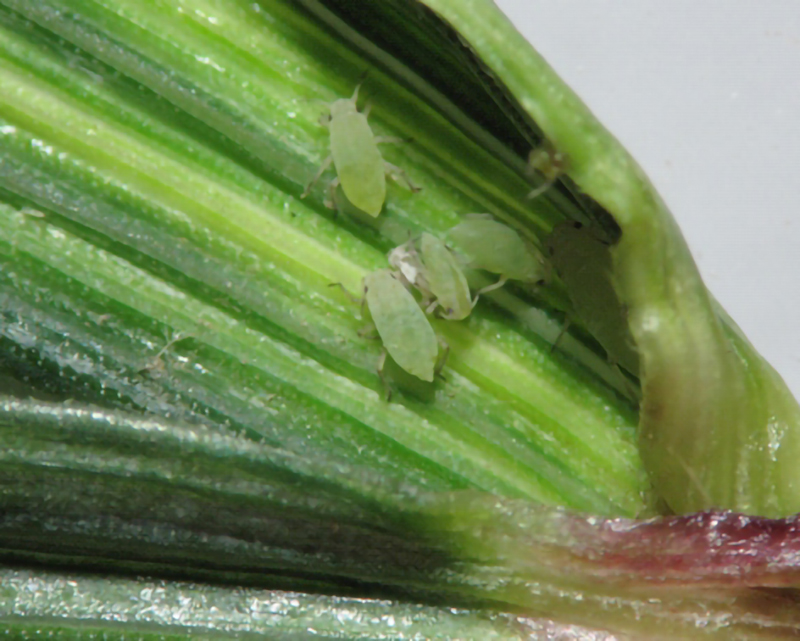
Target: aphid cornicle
494, 247
360, 168
403, 327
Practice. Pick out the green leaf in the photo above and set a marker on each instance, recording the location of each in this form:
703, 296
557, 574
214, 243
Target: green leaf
65, 606
195, 401
718, 426
187, 238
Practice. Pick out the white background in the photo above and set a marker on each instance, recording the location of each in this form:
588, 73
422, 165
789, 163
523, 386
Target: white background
706, 96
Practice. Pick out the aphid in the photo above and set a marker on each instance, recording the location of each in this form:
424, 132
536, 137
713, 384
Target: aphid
445, 279
549, 163
156, 364
360, 168
403, 327
436, 274
497, 248
583, 261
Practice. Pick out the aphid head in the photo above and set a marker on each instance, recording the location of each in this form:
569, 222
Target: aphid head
343, 107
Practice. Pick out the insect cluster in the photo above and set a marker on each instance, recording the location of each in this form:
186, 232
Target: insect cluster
426, 275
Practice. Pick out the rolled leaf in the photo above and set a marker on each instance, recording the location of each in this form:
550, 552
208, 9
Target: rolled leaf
718, 427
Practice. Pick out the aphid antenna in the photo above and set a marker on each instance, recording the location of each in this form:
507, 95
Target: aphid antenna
363, 76
411, 243
490, 288
360, 82
399, 175
310, 99
392, 140
323, 167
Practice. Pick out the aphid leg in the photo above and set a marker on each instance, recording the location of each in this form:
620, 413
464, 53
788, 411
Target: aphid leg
156, 363
443, 359
330, 201
540, 190
629, 388
399, 175
348, 294
564, 328
381, 365
547, 273
392, 140
361, 301
490, 288
431, 307
315, 179
367, 110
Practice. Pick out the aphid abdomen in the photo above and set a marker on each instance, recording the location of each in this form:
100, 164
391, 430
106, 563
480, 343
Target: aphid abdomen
403, 327
358, 162
445, 278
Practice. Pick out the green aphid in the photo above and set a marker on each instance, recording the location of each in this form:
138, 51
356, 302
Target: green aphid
583, 261
548, 163
445, 279
494, 247
360, 168
404, 329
